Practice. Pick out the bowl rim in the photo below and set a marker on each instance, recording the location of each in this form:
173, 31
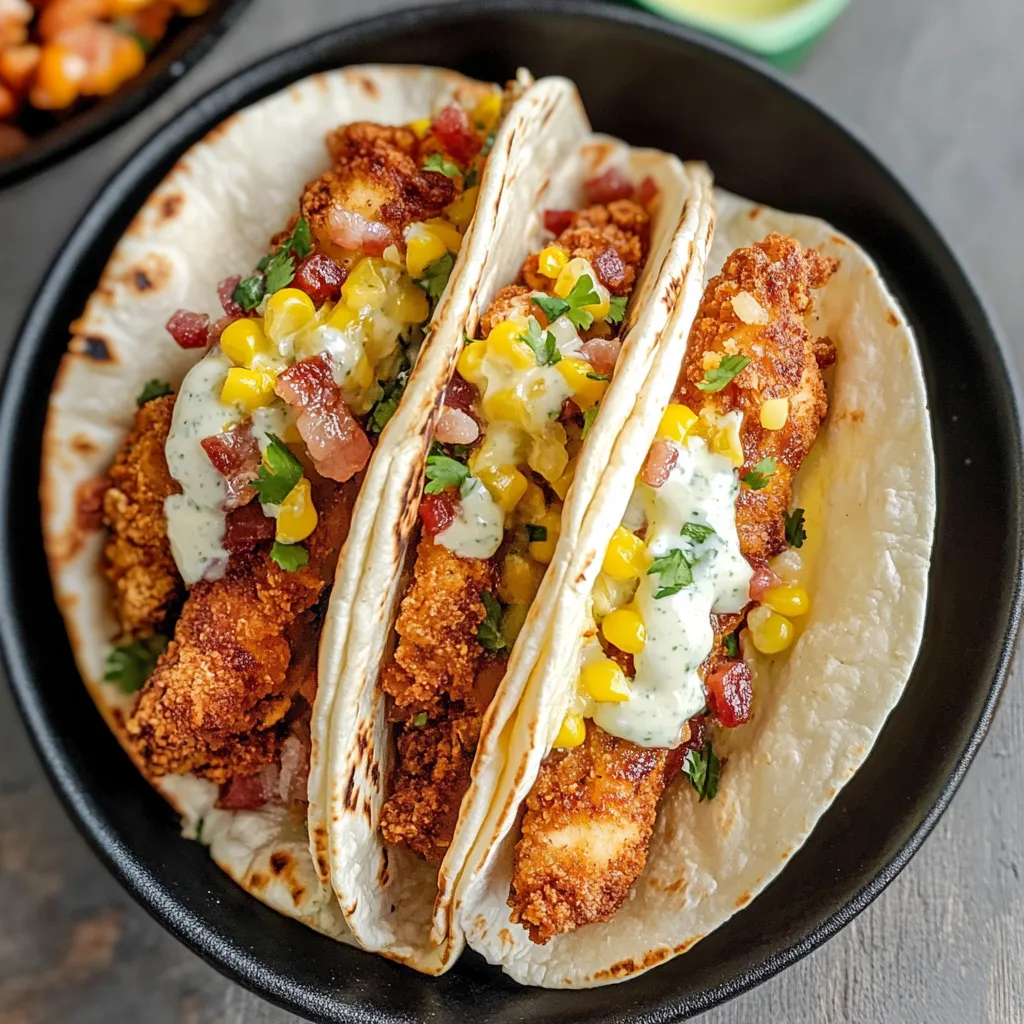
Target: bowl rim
261, 78
195, 40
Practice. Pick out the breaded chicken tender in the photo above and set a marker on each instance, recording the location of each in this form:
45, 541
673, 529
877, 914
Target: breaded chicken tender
216, 702
138, 559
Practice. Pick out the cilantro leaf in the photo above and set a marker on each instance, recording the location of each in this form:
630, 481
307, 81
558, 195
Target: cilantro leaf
542, 342
153, 389
759, 476
552, 306
249, 291
731, 644
384, 408
795, 532
435, 277
697, 532
279, 472
616, 309
280, 271
717, 378
472, 177
489, 631
598, 376
536, 533
583, 294
289, 556
676, 572
588, 420
703, 768
419, 719
436, 162
130, 665
300, 241
489, 142
444, 472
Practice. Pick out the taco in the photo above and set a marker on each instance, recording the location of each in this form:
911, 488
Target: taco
198, 482
575, 293
754, 569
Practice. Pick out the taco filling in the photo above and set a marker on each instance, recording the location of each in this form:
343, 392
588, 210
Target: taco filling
704, 551
230, 500
507, 441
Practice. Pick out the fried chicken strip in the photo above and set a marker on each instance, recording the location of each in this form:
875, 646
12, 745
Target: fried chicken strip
591, 812
138, 559
215, 704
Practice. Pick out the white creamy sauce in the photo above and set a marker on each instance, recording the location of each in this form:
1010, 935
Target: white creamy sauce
480, 526
195, 518
667, 689
270, 419
567, 338
542, 388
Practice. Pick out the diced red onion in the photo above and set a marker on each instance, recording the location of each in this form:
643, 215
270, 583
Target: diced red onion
235, 454
762, 580
601, 353
608, 186
456, 427
359, 234
226, 292
188, 329
660, 460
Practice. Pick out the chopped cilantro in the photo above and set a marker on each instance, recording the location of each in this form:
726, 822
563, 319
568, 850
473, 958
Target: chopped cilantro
279, 472
153, 389
703, 768
588, 420
419, 719
249, 291
436, 162
300, 241
536, 533
717, 378
435, 277
124, 26
444, 472
276, 269
289, 556
199, 829
472, 177
795, 532
130, 665
583, 294
759, 476
542, 342
598, 376
488, 144
616, 309
675, 570
489, 631
697, 532
385, 406
280, 271
731, 644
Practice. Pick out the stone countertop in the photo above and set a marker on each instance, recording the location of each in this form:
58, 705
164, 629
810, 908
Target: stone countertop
935, 87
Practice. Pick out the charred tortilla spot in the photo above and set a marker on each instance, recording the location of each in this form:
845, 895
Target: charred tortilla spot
89, 502
258, 880
297, 891
350, 792
170, 206
689, 944
82, 444
92, 346
279, 862
894, 320
142, 281
369, 86
382, 872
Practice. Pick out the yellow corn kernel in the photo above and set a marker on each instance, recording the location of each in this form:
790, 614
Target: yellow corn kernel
586, 391
532, 505
422, 247
512, 621
297, 518
571, 273
243, 340
366, 285
726, 440
507, 406
58, 80
544, 550
572, 732
564, 482
362, 374
288, 311
505, 343
520, 580
420, 127
446, 231
603, 680
122, 8
548, 456
341, 317
487, 111
624, 558
626, 630
676, 422
770, 632
505, 484
248, 388
774, 413
471, 360
411, 305
787, 599
551, 260
460, 213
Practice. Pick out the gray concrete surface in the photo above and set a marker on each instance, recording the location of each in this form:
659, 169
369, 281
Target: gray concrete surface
936, 87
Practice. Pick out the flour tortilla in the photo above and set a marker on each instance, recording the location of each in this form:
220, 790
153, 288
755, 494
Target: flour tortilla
817, 710
211, 217
395, 903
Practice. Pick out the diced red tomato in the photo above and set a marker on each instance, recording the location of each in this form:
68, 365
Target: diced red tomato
439, 511
762, 580
250, 792
610, 269
556, 221
320, 278
647, 192
608, 187
225, 292
729, 693
695, 741
246, 528
235, 454
456, 134
460, 394
660, 460
570, 411
188, 329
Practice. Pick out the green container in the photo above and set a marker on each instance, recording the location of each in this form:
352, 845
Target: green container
783, 38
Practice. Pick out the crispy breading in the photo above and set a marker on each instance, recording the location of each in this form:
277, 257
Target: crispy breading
433, 763
216, 703
779, 275
588, 822
377, 175
137, 557
512, 300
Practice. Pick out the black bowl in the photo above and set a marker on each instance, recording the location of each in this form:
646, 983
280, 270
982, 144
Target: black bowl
57, 135
650, 83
